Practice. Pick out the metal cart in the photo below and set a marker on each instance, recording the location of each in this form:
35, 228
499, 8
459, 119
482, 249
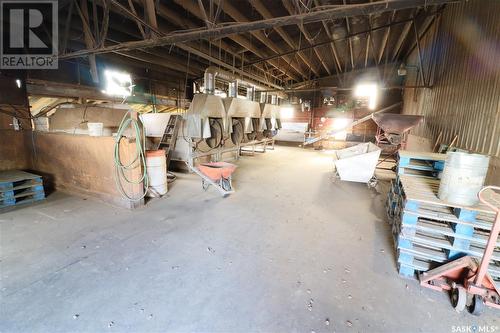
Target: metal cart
218, 174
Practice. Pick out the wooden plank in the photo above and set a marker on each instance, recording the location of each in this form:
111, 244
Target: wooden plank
20, 187
422, 155
448, 217
425, 190
422, 263
10, 176
445, 244
445, 229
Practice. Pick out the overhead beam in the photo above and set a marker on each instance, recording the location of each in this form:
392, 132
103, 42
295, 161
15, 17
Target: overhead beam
349, 41
345, 76
266, 14
191, 7
200, 50
150, 15
367, 50
53, 89
172, 17
231, 68
232, 11
83, 12
237, 28
385, 38
426, 25
332, 44
367, 32
288, 6
155, 57
139, 25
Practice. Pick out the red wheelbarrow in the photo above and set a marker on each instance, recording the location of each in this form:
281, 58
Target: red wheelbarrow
217, 174
468, 280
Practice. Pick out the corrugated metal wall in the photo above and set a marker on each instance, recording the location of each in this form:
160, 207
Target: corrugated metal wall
462, 58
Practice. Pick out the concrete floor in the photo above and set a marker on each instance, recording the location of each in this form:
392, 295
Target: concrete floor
290, 251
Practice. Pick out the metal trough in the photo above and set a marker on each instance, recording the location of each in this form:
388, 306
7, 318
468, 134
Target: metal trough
396, 123
357, 163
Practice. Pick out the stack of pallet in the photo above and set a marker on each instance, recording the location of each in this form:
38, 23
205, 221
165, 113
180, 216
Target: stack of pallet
428, 231
19, 187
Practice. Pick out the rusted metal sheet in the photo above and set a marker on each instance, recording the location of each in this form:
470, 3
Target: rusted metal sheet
460, 57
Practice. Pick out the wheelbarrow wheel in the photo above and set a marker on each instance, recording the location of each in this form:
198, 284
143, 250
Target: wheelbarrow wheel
458, 298
476, 308
372, 183
226, 184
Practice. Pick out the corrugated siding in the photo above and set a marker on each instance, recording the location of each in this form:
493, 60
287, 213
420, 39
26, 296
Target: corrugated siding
462, 58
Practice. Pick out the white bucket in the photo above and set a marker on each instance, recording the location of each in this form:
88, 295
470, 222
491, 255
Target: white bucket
156, 166
95, 129
463, 176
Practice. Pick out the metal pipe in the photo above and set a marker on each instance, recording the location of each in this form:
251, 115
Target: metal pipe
211, 73
233, 89
251, 93
339, 89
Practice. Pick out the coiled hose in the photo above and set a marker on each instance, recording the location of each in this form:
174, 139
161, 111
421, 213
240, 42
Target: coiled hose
138, 160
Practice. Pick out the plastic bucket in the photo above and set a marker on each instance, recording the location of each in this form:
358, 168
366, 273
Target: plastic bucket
463, 176
95, 129
156, 166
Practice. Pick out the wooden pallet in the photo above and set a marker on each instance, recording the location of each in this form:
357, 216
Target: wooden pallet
19, 187
420, 164
422, 259
420, 219
425, 191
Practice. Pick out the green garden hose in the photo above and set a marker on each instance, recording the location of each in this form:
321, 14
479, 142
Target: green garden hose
137, 162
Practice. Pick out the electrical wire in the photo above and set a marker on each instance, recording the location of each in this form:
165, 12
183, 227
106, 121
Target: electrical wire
138, 161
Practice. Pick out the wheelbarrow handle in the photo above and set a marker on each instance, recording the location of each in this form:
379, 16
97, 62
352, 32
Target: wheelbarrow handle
487, 203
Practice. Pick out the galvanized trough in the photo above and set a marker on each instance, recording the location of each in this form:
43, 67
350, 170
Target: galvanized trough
357, 163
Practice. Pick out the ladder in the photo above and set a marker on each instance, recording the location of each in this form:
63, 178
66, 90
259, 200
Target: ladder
169, 137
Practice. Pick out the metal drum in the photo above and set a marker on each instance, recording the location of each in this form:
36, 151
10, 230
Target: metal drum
463, 177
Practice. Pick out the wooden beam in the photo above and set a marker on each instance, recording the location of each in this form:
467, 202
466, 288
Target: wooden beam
386, 38
204, 13
139, 25
266, 14
364, 32
420, 60
150, 16
83, 11
238, 28
232, 11
173, 17
348, 28
288, 6
50, 88
332, 44
191, 7
67, 27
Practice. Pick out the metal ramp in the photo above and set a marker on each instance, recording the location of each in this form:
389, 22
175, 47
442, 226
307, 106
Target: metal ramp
169, 137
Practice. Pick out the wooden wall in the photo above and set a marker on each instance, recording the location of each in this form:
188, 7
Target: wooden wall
83, 164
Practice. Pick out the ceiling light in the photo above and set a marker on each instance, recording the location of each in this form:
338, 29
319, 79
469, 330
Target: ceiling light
118, 83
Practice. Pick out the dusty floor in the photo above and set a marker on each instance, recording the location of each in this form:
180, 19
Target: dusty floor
290, 251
